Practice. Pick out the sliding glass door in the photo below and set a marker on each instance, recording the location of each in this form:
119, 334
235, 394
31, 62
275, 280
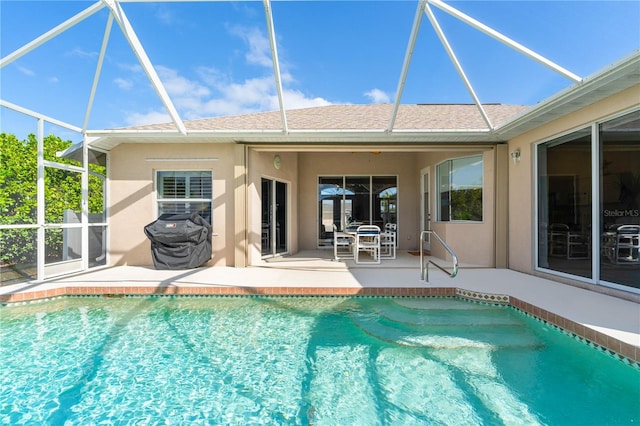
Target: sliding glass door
354, 200
589, 203
564, 204
620, 200
274, 217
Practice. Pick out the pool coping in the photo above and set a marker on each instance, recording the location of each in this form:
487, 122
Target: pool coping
624, 351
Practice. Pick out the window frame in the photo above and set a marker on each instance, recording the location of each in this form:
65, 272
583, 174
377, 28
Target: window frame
159, 193
597, 278
347, 203
450, 183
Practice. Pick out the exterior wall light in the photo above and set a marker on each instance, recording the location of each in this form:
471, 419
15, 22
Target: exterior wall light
515, 155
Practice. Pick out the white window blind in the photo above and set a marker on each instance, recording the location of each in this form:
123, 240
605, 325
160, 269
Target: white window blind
185, 192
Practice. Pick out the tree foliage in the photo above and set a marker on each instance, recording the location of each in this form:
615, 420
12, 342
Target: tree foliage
18, 176
18, 194
466, 204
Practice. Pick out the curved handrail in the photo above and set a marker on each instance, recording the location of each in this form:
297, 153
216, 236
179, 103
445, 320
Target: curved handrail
424, 267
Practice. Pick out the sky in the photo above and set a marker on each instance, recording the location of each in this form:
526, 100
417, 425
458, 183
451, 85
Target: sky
214, 58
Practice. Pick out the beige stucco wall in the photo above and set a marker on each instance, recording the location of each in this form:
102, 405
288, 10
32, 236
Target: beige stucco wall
261, 165
132, 202
403, 165
521, 174
473, 242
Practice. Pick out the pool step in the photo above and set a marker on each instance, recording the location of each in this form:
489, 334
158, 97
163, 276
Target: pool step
444, 323
439, 337
490, 316
437, 303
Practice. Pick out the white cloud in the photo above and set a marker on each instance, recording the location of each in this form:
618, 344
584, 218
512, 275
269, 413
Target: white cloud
180, 86
123, 83
251, 91
212, 76
165, 16
81, 53
259, 47
294, 99
26, 71
134, 68
212, 93
151, 117
377, 96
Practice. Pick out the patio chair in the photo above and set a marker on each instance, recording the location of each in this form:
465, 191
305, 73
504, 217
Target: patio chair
558, 235
342, 244
388, 241
368, 240
621, 244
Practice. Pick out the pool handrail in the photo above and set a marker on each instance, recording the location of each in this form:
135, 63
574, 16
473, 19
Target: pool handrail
424, 267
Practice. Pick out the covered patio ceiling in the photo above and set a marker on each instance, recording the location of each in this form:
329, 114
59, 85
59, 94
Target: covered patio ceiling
581, 92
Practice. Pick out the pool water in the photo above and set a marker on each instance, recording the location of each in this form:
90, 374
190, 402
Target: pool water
296, 360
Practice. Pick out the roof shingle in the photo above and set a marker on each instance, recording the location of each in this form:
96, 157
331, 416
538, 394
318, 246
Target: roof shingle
358, 117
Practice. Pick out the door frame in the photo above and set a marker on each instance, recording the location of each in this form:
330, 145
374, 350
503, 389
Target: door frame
273, 232
425, 216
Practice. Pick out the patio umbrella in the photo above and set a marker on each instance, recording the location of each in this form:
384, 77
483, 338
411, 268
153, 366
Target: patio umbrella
331, 191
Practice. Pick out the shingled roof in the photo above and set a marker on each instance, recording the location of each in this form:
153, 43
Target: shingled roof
429, 117
422, 124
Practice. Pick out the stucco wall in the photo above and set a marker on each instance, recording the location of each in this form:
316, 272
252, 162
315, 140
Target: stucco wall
261, 165
403, 165
522, 175
473, 242
132, 202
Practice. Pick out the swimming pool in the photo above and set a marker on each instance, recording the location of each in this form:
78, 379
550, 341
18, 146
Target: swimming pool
301, 360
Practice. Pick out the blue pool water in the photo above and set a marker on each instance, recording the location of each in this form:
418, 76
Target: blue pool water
294, 360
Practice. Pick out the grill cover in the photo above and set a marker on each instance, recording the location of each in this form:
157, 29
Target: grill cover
179, 241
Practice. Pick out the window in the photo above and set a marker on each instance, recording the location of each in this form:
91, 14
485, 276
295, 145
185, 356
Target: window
564, 204
619, 212
184, 192
589, 211
460, 189
348, 200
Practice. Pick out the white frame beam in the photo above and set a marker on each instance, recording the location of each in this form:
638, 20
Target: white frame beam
96, 77
276, 63
51, 34
40, 207
39, 116
456, 63
504, 39
407, 61
145, 62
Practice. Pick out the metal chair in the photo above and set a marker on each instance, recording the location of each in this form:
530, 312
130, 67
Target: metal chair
342, 244
621, 244
368, 240
388, 241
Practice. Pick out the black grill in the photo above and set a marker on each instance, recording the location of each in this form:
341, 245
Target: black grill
179, 241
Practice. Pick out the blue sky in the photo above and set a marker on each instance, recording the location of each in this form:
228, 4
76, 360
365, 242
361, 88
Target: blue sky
214, 58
